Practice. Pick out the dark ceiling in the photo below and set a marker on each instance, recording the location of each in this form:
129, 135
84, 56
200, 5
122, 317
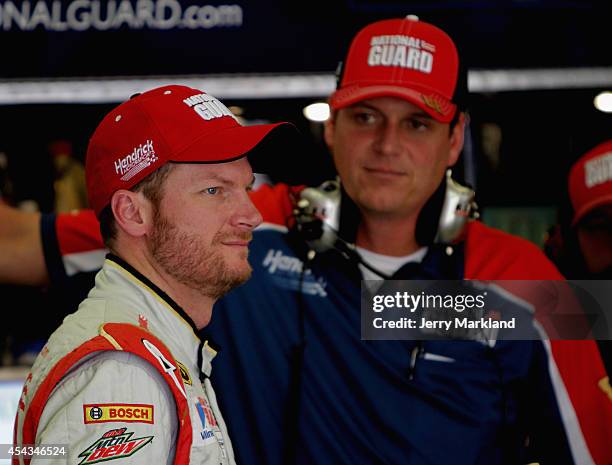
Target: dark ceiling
284, 36
541, 131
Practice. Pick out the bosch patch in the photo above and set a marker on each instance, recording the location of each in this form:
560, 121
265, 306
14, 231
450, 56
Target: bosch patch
124, 413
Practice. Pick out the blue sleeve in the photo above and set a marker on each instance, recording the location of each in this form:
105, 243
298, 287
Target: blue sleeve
547, 439
67, 291
51, 250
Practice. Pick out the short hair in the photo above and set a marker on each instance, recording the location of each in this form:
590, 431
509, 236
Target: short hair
152, 188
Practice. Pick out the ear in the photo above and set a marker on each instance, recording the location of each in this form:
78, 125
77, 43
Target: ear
330, 128
456, 140
132, 211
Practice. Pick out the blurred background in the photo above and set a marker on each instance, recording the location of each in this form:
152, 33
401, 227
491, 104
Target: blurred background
539, 73
536, 67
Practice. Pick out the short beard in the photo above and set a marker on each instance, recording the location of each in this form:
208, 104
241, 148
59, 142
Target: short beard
184, 257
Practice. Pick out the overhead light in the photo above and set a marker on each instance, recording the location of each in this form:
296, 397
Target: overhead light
270, 86
603, 102
317, 112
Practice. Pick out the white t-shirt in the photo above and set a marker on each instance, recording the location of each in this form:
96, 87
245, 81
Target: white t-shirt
386, 263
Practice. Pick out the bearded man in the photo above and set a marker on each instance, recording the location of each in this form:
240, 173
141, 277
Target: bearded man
127, 375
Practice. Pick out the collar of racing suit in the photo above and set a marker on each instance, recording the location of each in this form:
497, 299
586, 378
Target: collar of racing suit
207, 346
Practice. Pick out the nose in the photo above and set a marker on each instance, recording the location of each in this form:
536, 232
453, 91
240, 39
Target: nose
388, 139
248, 217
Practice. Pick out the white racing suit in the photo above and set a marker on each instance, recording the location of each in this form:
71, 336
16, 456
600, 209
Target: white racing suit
124, 378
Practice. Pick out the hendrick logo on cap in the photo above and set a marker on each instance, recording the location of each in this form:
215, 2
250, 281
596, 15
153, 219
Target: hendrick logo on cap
400, 50
136, 161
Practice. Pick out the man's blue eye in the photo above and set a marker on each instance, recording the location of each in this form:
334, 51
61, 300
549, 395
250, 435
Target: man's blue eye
212, 190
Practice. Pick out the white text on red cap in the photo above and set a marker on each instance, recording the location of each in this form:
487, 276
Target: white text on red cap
207, 106
598, 170
133, 163
399, 50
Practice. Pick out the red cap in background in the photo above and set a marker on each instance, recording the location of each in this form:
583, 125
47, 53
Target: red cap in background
590, 180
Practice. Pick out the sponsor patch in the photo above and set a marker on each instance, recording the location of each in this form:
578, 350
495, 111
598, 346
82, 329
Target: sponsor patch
124, 413
184, 373
207, 418
114, 444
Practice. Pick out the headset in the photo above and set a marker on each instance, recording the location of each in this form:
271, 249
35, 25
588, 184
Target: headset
458, 208
317, 217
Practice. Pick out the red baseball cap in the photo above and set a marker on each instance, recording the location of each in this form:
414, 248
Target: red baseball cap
590, 180
404, 58
167, 124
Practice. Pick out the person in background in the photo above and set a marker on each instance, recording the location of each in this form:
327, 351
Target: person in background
69, 183
127, 375
293, 367
581, 246
590, 190
324, 395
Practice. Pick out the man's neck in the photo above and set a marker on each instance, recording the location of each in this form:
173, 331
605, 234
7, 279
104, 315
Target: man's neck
387, 236
197, 306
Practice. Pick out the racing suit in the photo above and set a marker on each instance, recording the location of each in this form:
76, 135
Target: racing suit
124, 376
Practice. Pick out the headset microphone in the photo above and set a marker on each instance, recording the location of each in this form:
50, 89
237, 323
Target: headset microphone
317, 214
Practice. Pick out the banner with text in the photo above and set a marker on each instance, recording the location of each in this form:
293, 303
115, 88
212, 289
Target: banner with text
82, 38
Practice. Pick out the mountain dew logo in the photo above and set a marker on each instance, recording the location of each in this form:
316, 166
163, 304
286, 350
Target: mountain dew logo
113, 444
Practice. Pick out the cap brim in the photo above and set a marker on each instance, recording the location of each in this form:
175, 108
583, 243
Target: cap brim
265, 145
590, 206
438, 107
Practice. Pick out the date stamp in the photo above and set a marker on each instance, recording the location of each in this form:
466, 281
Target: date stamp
29, 451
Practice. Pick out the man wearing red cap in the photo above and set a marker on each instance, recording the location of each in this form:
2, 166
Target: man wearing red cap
590, 189
328, 397
581, 245
294, 370
127, 374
